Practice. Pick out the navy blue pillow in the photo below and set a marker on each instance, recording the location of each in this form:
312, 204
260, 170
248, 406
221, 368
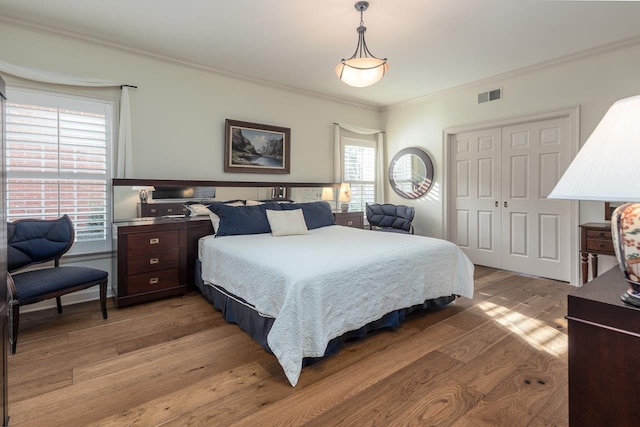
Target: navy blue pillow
316, 214
237, 220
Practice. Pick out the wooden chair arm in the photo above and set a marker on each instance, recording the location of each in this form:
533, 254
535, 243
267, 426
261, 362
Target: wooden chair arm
11, 287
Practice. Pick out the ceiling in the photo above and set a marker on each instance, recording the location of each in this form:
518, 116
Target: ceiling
431, 45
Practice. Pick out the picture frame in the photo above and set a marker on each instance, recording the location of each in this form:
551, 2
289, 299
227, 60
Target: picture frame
256, 148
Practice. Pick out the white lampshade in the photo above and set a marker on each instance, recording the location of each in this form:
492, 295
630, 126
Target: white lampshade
327, 193
345, 192
603, 168
362, 72
143, 187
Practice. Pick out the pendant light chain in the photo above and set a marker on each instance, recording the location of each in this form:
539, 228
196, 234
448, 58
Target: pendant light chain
362, 68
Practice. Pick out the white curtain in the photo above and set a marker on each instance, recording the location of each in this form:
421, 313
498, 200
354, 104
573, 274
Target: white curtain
124, 163
337, 158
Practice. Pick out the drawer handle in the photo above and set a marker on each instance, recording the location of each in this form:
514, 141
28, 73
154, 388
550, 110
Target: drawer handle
602, 245
154, 241
349, 222
154, 260
153, 210
601, 234
169, 210
154, 281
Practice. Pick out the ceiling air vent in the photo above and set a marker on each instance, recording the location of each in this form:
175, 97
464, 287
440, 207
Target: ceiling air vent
492, 95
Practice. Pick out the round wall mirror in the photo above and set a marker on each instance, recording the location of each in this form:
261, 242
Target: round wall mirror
411, 173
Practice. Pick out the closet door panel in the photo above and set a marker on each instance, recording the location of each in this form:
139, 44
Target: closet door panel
476, 187
534, 157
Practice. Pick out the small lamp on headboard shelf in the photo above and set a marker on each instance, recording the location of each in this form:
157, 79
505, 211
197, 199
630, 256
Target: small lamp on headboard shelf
604, 170
143, 191
344, 196
327, 195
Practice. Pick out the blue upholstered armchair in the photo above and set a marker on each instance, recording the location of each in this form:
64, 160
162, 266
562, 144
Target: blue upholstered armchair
35, 241
387, 217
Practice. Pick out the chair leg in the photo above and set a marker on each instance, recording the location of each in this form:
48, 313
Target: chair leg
59, 302
103, 298
15, 320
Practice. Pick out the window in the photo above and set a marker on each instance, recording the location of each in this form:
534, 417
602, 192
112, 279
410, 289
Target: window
359, 170
58, 152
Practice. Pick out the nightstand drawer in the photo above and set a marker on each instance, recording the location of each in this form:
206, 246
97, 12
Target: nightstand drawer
602, 246
153, 262
349, 219
154, 281
161, 209
599, 234
152, 241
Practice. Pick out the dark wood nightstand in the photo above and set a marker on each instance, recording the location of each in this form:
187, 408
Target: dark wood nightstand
155, 257
595, 239
604, 344
349, 219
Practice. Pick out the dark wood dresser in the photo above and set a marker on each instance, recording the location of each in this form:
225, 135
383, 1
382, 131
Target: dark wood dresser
595, 239
604, 349
156, 257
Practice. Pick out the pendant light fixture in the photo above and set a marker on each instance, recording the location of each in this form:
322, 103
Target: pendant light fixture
362, 69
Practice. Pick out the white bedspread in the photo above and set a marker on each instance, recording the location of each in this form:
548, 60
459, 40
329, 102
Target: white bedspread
333, 280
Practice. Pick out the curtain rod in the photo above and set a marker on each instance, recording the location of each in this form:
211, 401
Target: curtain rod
338, 124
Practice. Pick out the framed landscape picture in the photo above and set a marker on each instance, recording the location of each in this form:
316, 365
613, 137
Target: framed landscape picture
256, 148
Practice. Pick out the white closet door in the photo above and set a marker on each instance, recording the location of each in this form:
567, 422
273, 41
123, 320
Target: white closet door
476, 181
535, 230
500, 179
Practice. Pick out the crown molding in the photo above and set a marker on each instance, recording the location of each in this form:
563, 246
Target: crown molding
529, 69
69, 34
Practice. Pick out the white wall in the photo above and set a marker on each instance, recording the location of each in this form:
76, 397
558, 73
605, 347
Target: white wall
593, 83
178, 111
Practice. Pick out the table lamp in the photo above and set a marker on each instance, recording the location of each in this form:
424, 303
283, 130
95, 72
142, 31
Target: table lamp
344, 196
327, 194
603, 170
143, 191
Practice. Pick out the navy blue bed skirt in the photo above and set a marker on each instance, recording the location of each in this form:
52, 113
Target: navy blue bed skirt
236, 310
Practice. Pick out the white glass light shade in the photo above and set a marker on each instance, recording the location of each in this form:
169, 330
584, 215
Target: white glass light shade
603, 168
361, 72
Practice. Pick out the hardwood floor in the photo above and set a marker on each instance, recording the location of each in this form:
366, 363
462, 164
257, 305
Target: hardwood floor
499, 359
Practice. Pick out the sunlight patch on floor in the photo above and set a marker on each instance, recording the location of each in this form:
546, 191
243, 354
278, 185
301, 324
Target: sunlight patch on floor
536, 333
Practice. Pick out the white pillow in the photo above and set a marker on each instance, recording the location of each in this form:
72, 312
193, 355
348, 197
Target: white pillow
287, 223
253, 203
198, 209
215, 221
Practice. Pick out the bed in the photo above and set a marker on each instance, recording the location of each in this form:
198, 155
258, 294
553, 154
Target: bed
297, 294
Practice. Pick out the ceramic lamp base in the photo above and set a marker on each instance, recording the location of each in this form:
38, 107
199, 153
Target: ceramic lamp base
625, 232
631, 297
344, 207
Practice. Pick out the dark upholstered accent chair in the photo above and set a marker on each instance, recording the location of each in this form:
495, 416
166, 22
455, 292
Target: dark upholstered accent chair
387, 217
35, 241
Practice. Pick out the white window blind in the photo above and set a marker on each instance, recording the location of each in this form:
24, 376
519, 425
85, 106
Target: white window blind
58, 162
359, 170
